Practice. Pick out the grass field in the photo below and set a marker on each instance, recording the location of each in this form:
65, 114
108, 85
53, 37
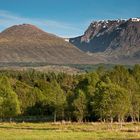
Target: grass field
74, 131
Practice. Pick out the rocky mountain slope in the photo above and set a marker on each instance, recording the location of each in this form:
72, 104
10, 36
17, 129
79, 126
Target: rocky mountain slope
27, 43
119, 40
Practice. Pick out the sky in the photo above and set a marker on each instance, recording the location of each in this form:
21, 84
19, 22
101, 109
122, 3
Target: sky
65, 18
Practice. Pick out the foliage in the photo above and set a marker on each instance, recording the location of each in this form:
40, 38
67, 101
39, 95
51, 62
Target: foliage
109, 95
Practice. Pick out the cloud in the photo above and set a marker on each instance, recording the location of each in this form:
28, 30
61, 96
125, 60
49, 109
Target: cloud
8, 19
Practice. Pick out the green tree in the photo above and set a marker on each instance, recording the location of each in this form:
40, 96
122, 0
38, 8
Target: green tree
134, 94
111, 101
9, 104
58, 100
54, 97
119, 75
79, 105
25, 96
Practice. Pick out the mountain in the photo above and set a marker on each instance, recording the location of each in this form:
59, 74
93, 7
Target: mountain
27, 43
118, 40
111, 41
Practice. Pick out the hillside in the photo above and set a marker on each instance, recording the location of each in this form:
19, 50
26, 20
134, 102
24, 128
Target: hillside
118, 40
29, 44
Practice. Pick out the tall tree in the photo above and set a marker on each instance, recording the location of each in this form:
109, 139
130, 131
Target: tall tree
111, 101
79, 105
9, 104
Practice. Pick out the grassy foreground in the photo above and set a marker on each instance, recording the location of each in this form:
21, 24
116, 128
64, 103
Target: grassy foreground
74, 131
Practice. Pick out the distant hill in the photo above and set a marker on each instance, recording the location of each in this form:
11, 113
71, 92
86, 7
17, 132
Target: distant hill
29, 44
118, 40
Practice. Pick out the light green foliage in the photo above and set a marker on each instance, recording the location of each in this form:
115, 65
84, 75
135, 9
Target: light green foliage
111, 101
58, 100
9, 104
136, 73
25, 96
134, 94
79, 105
103, 94
119, 75
54, 97
93, 78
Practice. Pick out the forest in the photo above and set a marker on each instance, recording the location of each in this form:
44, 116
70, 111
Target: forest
101, 95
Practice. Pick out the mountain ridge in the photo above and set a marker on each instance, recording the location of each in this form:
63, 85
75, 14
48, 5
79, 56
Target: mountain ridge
117, 39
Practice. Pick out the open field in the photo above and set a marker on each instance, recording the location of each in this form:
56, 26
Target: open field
74, 131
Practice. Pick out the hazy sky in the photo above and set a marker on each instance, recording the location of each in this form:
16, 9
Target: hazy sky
65, 18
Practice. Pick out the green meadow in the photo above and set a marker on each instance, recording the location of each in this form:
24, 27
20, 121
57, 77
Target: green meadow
69, 131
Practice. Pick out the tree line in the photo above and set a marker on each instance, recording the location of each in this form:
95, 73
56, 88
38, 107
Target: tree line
101, 95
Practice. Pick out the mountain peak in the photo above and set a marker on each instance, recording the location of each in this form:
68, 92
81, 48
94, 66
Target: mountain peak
134, 19
108, 21
22, 30
104, 23
24, 25
98, 28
